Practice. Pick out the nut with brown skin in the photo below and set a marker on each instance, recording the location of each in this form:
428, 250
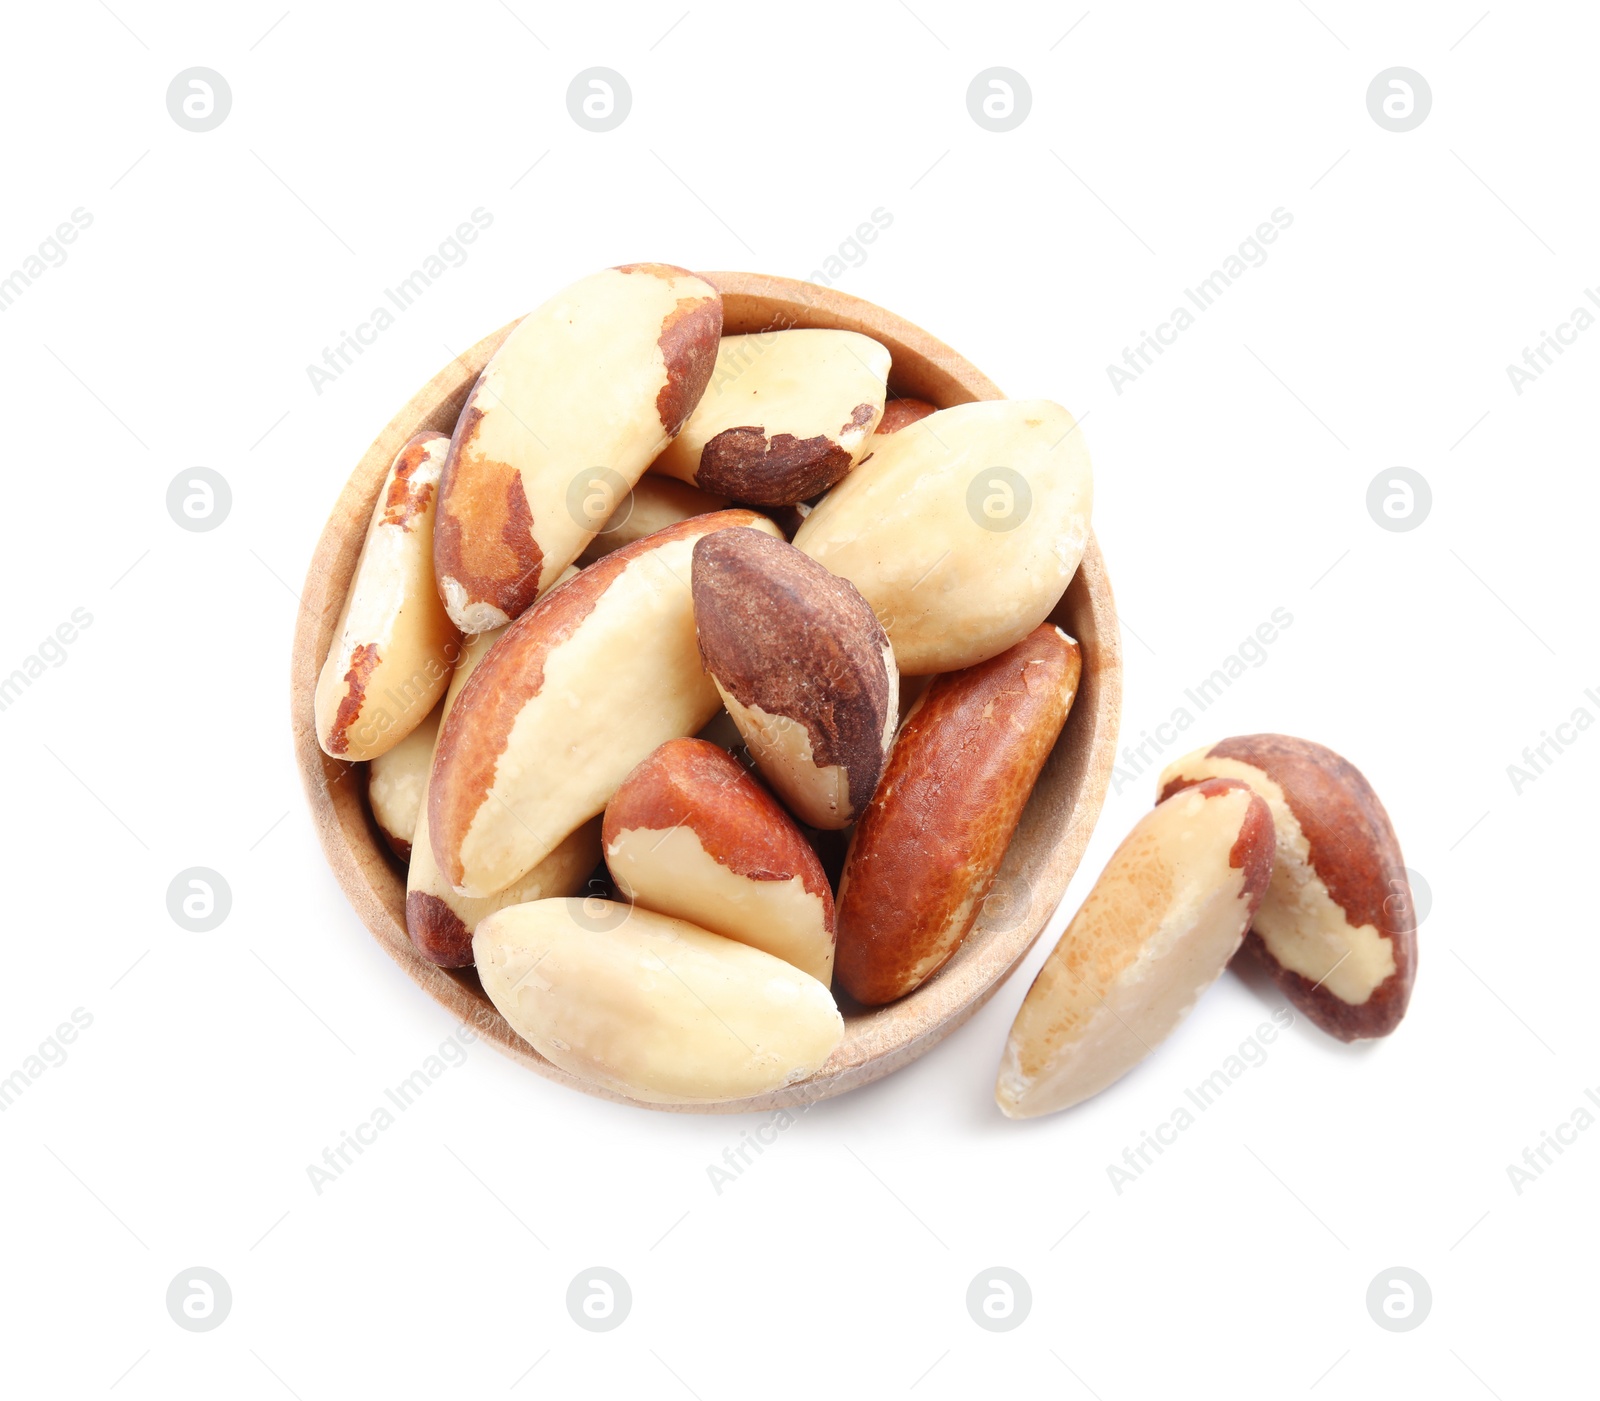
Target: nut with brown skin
1159, 926
393, 649
397, 782
653, 1007
439, 921
902, 413
580, 688
963, 530
802, 666
1336, 929
564, 419
786, 415
692, 835
926, 851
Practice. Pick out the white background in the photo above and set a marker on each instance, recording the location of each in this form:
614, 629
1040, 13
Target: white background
1231, 480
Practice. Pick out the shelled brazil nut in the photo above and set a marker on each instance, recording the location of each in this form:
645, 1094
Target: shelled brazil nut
1167, 913
691, 834
439, 920
962, 531
1337, 927
653, 1007
394, 644
803, 667
397, 782
605, 372
925, 852
786, 414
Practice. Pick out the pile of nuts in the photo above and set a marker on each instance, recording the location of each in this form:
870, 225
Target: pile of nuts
550, 664
1265, 843
771, 677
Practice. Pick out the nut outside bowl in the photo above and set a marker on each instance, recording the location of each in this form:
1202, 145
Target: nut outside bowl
1049, 841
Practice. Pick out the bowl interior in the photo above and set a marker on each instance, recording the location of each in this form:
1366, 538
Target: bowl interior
1043, 855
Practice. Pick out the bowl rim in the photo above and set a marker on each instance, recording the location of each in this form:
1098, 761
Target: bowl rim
879, 1040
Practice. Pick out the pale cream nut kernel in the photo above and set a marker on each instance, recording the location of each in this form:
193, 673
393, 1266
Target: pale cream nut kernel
652, 1007
569, 411
397, 783
962, 530
394, 646
1168, 912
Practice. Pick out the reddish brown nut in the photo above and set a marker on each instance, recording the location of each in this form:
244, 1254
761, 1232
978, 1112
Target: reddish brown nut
1336, 929
902, 413
580, 688
605, 372
803, 667
692, 835
927, 849
1156, 931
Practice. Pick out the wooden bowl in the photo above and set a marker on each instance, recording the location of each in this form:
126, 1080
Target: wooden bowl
1049, 842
